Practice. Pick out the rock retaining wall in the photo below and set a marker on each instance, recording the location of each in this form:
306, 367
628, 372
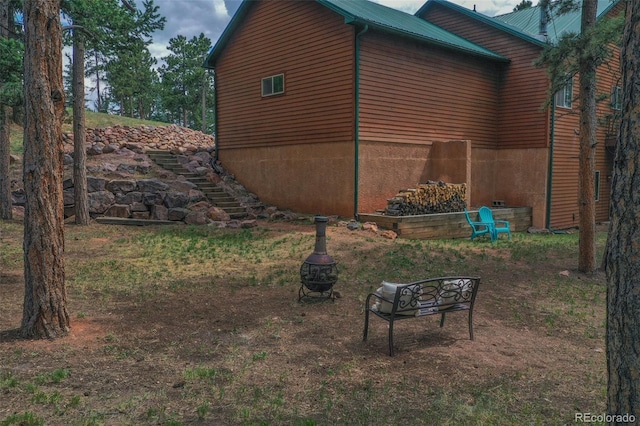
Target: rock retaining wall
176, 139
144, 199
169, 197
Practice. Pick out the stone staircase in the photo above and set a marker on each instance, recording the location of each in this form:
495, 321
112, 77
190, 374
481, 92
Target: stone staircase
216, 195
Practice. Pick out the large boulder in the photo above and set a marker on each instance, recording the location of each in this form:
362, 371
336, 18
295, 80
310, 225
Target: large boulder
100, 201
151, 185
118, 210
177, 213
218, 215
159, 212
176, 199
129, 197
196, 218
95, 184
121, 185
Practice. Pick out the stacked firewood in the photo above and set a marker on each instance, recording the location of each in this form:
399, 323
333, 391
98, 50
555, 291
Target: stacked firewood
428, 198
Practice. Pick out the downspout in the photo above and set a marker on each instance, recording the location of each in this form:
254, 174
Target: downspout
550, 178
215, 117
356, 182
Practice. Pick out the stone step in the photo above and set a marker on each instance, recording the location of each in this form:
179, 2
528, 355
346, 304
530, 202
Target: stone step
235, 210
230, 204
137, 222
200, 181
168, 163
218, 200
216, 195
208, 185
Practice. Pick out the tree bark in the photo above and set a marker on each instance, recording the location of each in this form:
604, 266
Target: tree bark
6, 22
586, 174
99, 101
622, 256
5, 176
80, 192
45, 300
204, 102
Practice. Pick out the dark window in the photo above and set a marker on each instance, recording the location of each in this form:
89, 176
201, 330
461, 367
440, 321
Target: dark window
564, 96
273, 85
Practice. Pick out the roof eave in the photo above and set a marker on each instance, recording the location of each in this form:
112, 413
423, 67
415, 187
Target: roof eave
235, 22
245, 6
418, 37
482, 18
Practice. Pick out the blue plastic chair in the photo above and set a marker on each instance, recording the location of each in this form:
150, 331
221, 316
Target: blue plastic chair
478, 228
496, 226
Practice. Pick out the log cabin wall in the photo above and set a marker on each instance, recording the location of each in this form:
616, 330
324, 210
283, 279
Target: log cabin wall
412, 95
294, 150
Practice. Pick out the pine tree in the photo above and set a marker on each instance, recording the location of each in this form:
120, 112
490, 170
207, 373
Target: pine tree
45, 301
622, 255
184, 81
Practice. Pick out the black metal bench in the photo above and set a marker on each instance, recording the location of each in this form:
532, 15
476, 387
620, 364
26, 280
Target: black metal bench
432, 296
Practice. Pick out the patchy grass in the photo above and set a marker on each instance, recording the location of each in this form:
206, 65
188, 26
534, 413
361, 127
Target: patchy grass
186, 325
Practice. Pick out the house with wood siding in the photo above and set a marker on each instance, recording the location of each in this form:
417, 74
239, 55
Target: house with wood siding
332, 106
550, 136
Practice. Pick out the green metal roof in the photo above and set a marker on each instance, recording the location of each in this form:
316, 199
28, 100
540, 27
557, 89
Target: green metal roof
377, 17
525, 24
528, 20
390, 20
482, 18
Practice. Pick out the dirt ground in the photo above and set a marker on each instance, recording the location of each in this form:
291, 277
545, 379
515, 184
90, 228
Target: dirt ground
130, 359
127, 355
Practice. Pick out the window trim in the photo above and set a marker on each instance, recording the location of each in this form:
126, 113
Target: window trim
596, 188
272, 79
562, 95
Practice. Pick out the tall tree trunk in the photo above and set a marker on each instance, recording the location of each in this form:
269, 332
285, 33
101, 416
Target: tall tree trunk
99, 101
141, 112
5, 176
45, 299
623, 243
204, 102
6, 22
80, 192
586, 186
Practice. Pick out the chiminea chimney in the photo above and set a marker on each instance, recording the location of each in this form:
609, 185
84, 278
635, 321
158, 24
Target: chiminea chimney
544, 18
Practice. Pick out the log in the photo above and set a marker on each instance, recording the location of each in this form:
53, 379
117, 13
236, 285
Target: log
428, 198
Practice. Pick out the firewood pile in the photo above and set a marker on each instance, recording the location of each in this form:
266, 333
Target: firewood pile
428, 198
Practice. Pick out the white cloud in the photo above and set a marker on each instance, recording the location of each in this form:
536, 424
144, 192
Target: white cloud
487, 7
220, 9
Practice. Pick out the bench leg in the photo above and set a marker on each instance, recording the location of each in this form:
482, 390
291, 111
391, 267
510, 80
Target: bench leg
366, 325
442, 320
391, 338
471, 324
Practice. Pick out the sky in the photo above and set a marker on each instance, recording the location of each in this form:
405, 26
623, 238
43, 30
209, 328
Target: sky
192, 17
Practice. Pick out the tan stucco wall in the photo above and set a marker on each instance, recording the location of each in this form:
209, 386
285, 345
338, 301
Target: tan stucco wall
516, 176
386, 168
450, 162
310, 178
319, 178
